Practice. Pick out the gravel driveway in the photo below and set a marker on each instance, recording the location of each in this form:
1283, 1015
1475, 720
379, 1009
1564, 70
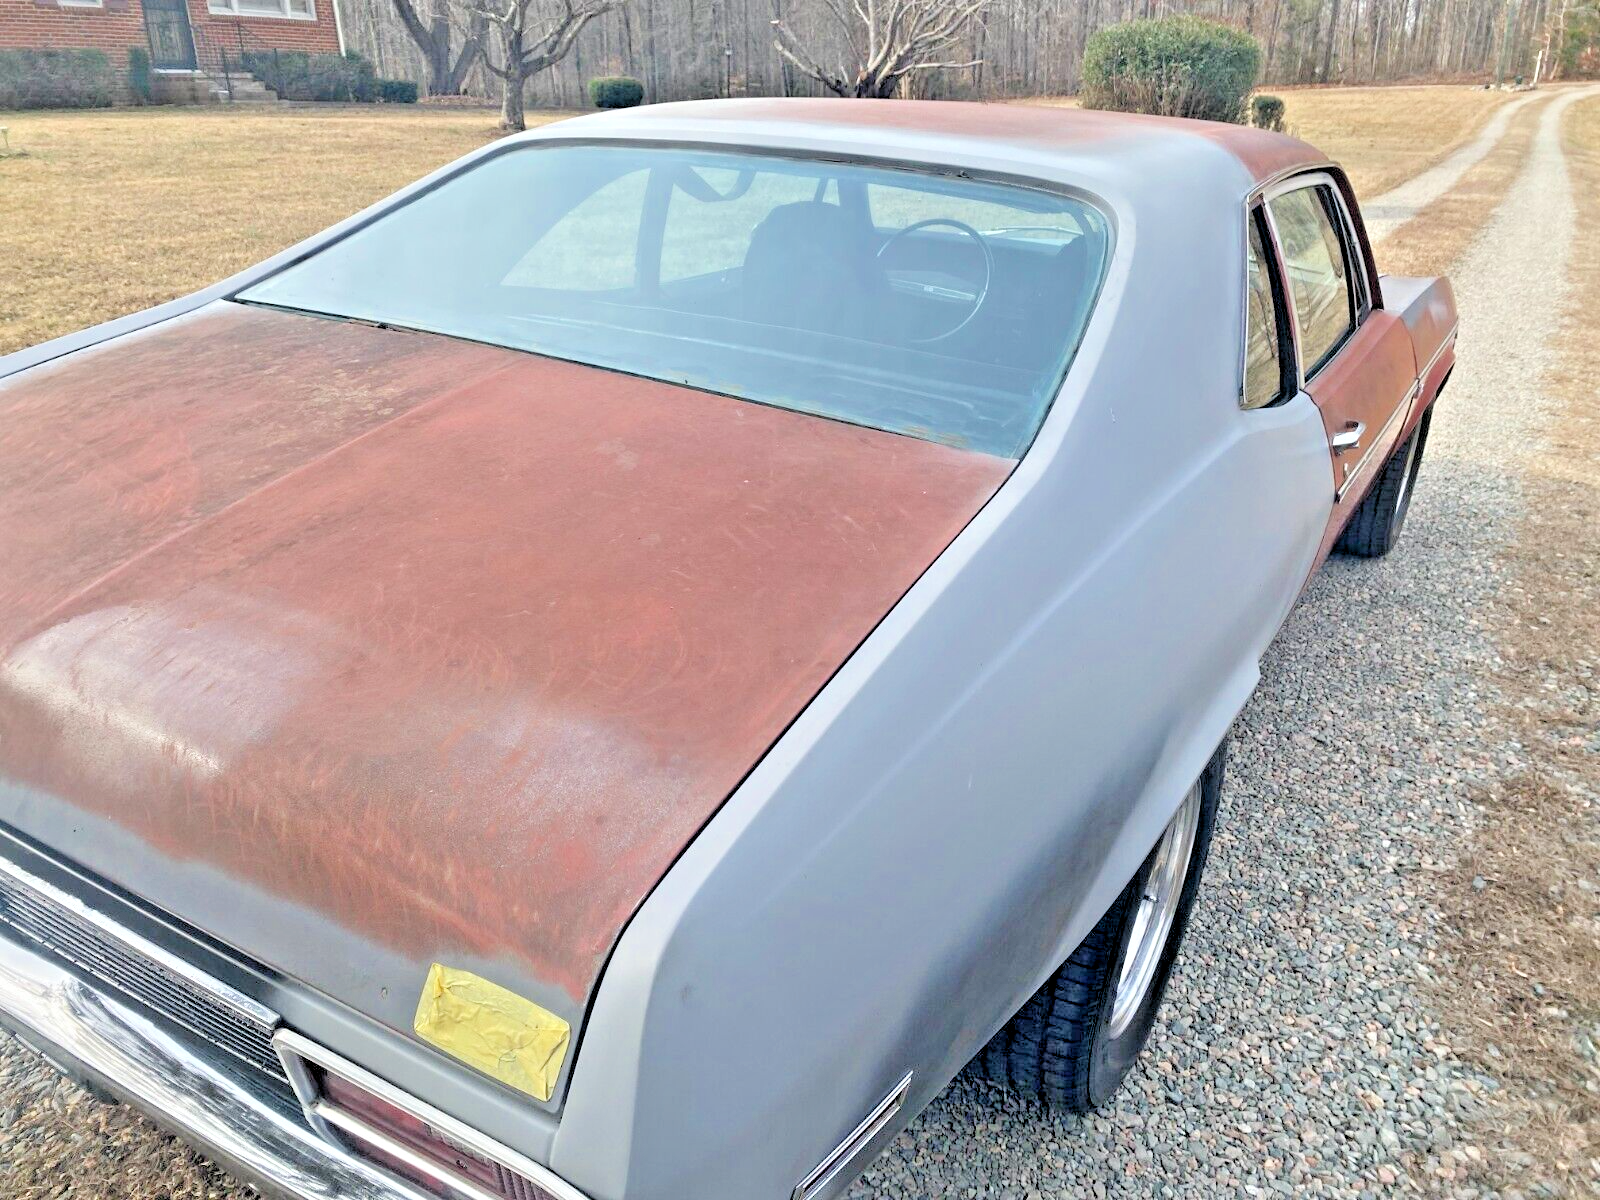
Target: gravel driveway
1296, 1055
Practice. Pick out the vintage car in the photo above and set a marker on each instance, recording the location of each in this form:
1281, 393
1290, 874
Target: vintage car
616, 672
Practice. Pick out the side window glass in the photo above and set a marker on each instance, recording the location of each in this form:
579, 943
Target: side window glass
1267, 377
1319, 284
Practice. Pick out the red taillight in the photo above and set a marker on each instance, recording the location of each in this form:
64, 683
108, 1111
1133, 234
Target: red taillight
416, 1135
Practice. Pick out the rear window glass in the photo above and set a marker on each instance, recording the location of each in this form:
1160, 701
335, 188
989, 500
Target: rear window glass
929, 305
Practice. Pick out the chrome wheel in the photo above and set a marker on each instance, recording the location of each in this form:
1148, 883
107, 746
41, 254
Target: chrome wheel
1158, 906
1405, 479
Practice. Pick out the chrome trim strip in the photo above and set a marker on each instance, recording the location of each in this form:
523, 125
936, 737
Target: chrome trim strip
1277, 177
296, 1050
186, 1086
856, 1141
1449, 341
1354, 473
250, 1010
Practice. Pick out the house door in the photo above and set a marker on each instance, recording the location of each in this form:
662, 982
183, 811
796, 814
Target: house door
166, 23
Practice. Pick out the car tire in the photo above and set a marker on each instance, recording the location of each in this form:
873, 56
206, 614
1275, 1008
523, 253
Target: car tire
1075, 1040
1375, 526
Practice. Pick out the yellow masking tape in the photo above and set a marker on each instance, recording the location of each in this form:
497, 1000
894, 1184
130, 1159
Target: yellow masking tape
496, 1031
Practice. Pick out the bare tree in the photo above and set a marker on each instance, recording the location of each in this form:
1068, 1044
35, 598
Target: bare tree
446, 75
531, 35
885, 42
688, 49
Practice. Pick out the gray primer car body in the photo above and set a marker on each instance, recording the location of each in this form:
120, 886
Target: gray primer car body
870, 902
965, 797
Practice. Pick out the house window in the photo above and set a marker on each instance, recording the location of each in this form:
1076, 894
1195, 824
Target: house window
297, 9
81, 3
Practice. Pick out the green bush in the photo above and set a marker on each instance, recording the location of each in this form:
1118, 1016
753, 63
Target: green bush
615, 91
296, 75
55, 79
397, 91
139, 74
1183, 66
1266, 112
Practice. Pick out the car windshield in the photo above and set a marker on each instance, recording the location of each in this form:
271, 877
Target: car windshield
931, 305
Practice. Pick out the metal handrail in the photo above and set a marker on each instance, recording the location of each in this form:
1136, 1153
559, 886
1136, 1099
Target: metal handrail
247, 43
217, 55
204, 57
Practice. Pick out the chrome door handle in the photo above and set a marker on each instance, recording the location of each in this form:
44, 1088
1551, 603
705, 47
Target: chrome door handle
1348, 438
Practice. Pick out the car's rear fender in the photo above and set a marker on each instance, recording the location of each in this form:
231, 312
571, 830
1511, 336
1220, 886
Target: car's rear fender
1427, 305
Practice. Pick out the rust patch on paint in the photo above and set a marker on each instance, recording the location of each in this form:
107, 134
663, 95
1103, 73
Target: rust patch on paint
455, 645
107, 452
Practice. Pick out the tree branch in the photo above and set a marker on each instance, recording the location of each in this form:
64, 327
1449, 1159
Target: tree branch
888, 39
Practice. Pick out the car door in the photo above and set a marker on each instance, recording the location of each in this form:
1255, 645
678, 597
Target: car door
1353, 358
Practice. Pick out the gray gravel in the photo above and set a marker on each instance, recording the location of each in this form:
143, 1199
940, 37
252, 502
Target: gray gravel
1297, 1054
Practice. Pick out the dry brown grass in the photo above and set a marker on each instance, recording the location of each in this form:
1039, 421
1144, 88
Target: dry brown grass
1384, 136
1438, 235
125, 209
113, 211
1524, 905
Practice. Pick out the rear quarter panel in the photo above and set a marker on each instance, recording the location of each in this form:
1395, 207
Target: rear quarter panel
1427, 305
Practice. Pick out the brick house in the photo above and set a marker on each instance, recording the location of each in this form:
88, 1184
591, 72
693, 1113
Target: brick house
187, 39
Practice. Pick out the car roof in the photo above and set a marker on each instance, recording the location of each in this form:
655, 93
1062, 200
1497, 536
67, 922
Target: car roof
949, 132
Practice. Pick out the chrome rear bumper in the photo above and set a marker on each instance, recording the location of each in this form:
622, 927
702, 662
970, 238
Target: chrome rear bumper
187, 1088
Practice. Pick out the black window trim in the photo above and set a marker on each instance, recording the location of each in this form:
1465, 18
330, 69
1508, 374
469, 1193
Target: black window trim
1288, 344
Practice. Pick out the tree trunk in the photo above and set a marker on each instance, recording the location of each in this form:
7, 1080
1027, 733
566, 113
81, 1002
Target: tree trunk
1353, 62
1377, 37
513, 116
455, 77
431, 38
438, 54
1272, 38
1333, 36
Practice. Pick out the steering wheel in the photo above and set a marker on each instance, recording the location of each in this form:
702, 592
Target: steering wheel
974, 300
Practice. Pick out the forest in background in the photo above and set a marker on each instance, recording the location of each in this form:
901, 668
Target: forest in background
693, 49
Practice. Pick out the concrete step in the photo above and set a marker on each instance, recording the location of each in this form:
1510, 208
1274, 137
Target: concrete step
263, 96
246, 89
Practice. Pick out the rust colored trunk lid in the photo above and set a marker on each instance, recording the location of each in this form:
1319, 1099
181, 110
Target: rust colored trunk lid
361, 649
